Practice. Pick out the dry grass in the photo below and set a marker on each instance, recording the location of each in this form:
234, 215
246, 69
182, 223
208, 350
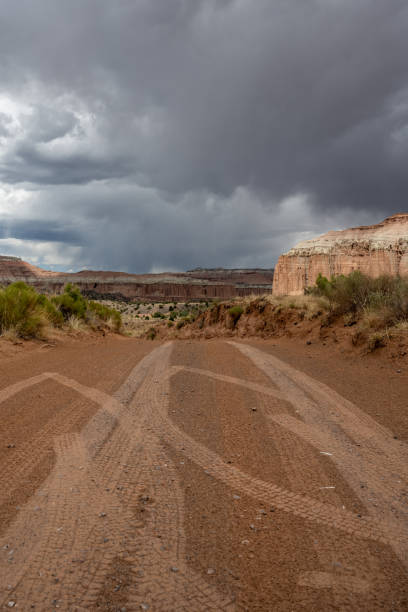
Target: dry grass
377, 340
10, 334
76, 324
311, 305
401, 327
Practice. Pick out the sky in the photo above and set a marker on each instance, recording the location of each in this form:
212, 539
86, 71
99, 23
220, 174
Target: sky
153, 135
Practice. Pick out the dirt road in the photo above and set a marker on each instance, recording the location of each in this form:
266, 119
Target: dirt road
199, 476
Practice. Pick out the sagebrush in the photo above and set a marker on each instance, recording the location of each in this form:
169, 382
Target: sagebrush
28, 313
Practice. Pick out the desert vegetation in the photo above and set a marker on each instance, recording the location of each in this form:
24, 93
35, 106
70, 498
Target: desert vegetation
368, 312
144, 319
25, 313
377, 306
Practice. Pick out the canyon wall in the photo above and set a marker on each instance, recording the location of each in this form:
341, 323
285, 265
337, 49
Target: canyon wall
197, 284
374, 250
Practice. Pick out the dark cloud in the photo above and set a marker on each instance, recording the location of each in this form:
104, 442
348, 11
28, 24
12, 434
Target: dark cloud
39, 230
198, 100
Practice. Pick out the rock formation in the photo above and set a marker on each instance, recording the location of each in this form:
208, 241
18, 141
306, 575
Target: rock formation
197, 284
373, 249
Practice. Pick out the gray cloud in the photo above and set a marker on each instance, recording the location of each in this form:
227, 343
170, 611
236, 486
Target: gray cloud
152, 108
39, 230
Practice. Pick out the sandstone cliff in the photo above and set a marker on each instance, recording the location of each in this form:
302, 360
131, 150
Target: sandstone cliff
193, 285
374, 249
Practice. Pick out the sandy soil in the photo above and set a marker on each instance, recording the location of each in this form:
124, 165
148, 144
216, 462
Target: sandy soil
219, 475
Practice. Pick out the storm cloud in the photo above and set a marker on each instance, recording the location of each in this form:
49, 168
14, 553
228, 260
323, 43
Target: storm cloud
164, 134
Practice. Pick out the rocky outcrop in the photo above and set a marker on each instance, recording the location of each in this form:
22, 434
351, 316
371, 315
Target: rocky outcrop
374, 249
197, 284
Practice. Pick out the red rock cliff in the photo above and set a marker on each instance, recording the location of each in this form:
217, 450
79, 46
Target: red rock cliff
374, 249
196, 284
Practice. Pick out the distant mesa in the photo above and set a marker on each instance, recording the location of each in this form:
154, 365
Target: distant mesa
199, 284
373, 249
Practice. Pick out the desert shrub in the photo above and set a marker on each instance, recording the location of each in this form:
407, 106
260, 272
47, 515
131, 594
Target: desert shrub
108, 315
235, 312
170, 323
180, 324
54, 315
27, 312
158, 315
358, 293
376, 341
23, 310
151, 334
71, 302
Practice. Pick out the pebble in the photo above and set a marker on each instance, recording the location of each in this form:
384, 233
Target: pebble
11, 604
144, 606
254, 408
102, 514
236, 497
174, 569
210, 571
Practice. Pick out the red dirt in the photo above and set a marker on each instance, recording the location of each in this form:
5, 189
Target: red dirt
258, 475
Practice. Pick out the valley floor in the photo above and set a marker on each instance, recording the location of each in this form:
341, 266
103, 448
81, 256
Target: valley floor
202, 475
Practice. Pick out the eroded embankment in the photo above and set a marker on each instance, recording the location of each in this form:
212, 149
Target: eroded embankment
304, 319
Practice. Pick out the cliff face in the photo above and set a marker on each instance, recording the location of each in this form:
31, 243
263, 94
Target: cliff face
374, 249
193, 285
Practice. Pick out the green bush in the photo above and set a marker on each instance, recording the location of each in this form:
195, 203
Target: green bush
23, 310
71, 302
26, 312
235, 312
158, 315
357, 293
106, 314
151, 334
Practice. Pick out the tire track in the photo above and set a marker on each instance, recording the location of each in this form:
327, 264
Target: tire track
69, 554
90, 509
364, 452
266, 492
